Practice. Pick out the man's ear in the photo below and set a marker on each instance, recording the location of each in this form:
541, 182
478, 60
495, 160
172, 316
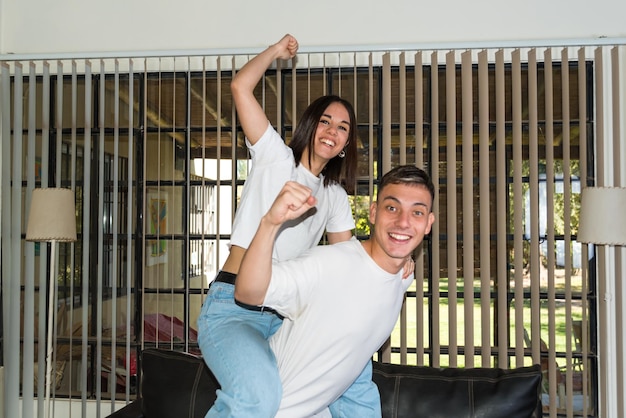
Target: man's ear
431, 221
373, 207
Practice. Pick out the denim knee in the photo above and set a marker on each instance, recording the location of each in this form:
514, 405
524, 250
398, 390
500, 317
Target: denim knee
267, 393
258, 399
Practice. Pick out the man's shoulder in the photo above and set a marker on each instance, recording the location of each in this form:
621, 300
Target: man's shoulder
344, 247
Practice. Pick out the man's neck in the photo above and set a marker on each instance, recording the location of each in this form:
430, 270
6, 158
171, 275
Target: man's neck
385, 262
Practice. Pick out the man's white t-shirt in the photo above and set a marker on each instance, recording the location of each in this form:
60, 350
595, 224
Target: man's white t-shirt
272, 166
339, 308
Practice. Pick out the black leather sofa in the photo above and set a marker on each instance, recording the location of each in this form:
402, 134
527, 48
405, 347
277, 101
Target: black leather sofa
176, 384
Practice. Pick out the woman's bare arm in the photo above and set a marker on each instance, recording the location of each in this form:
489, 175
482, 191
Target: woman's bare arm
250, 113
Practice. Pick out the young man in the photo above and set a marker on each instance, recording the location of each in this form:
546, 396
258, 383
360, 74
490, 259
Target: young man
340, 302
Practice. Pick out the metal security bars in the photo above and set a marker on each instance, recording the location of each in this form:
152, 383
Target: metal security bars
152, 149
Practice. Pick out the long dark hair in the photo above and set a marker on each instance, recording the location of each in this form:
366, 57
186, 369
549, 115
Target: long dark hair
337, 170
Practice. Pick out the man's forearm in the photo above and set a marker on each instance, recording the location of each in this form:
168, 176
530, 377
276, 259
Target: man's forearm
255, 272
256, 267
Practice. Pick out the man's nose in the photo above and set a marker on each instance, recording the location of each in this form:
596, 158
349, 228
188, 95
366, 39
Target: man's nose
403, 218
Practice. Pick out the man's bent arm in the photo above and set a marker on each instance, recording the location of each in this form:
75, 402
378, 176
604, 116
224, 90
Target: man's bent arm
255, 272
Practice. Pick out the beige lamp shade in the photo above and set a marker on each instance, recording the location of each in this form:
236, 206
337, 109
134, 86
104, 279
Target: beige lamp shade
602, 219
52, 215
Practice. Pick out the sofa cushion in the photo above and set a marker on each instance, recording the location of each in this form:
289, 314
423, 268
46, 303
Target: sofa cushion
413, 391
176, 384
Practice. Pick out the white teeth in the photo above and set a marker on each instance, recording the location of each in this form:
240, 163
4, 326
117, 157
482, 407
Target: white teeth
399, 237
328, 142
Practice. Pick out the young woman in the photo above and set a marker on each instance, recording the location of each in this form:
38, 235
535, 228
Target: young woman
234, 337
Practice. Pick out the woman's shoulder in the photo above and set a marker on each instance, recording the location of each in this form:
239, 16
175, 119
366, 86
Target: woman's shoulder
337, 189
337, 194
269, 137
270, 147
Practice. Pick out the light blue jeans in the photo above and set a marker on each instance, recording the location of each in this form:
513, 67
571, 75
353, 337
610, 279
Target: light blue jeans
234, 344
361, 399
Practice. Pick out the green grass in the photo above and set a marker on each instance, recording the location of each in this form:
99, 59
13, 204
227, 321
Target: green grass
558, 313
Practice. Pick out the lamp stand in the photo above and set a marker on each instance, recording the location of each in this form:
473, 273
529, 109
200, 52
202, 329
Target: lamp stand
51, 300
51, 218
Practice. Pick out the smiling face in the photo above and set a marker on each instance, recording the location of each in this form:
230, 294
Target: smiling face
332, 133
402, 217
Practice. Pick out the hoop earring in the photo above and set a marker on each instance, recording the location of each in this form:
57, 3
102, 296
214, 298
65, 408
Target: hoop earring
341, 154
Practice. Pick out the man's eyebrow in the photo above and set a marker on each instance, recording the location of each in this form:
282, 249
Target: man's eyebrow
330, 117
395, 199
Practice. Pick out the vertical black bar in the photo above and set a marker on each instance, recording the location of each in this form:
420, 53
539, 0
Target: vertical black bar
138, 188
185, 205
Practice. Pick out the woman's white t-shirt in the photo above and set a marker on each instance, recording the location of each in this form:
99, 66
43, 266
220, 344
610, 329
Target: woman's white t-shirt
272, 166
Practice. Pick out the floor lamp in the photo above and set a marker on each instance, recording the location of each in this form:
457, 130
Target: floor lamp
52, 218
602, 223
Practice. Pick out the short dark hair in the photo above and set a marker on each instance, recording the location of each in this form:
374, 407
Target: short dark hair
407, 174
338, 170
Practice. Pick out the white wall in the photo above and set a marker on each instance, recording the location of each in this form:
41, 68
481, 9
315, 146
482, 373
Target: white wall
60, 26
